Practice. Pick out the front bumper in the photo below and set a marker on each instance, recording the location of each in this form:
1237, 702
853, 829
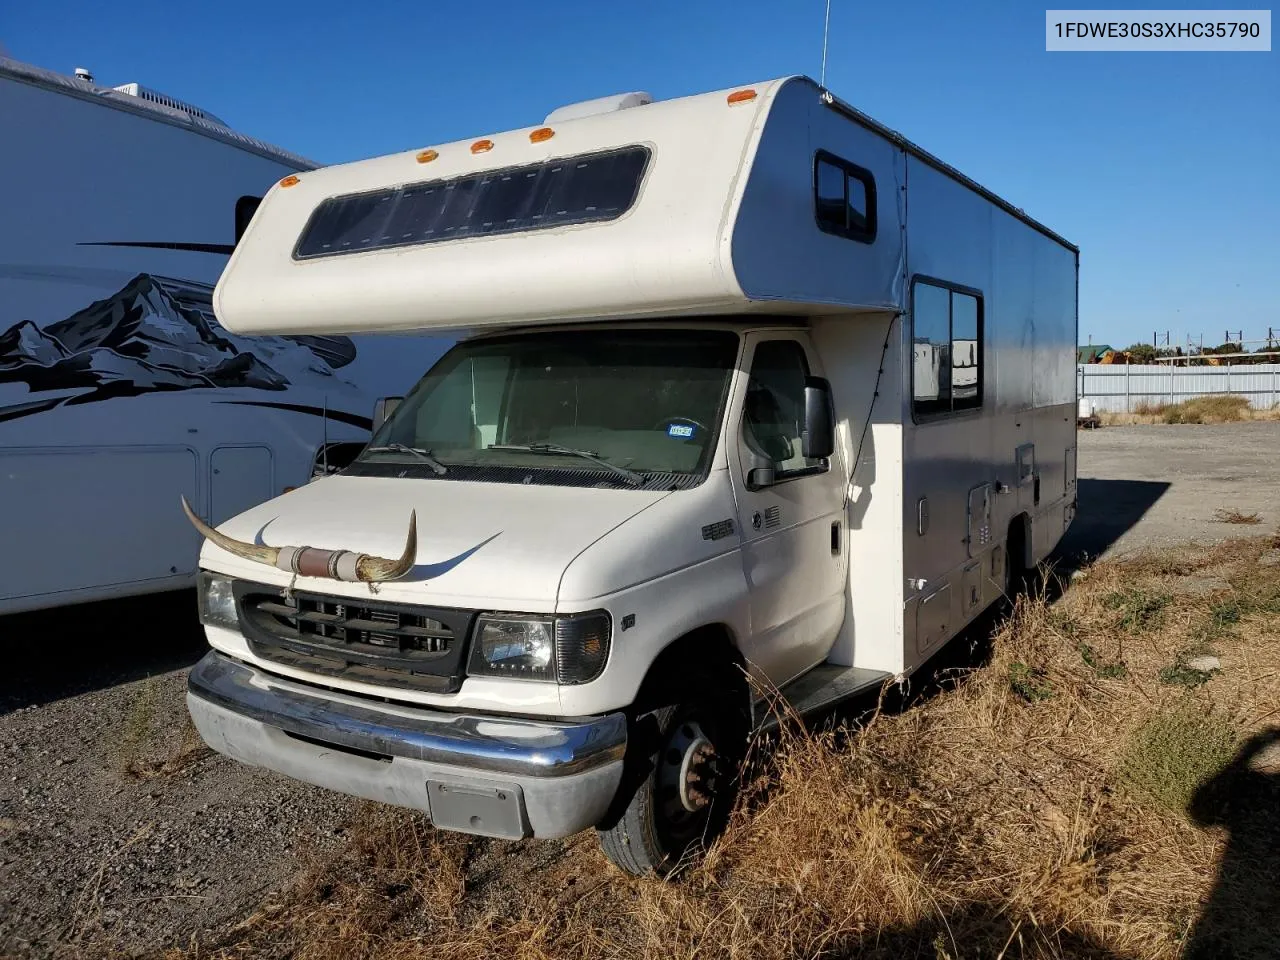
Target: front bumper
488, 775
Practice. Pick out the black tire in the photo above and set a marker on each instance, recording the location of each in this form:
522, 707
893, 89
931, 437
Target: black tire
654, 831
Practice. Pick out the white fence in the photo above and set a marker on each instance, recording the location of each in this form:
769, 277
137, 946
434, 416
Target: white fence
1120, 388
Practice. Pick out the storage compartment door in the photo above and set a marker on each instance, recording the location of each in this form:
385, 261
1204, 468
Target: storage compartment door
933, 619
979, 530
239, 478
79, 518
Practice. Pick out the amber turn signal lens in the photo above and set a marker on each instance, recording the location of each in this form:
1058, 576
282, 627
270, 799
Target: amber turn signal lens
426, 156
289, 181
741, 96
541, 134
482, 146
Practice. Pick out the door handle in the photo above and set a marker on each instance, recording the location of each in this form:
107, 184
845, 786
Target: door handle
835, 538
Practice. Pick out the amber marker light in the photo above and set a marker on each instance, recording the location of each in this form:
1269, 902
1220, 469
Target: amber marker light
482, 146
426, 156
289, 181
541, 135
741, 96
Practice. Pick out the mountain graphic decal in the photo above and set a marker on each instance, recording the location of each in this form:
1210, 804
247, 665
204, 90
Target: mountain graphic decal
158, 334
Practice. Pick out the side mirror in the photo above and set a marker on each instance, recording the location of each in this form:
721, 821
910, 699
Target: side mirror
383, 410
334, 456
246, 207
818, 440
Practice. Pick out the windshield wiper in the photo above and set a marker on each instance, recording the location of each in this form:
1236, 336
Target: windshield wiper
631, 476
438, 468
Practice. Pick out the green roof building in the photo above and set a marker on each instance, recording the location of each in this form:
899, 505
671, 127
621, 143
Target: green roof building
1092, 352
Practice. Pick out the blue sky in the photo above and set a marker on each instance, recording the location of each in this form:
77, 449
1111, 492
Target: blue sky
1163, 167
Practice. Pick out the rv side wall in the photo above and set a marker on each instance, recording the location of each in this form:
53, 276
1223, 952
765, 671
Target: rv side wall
977, 468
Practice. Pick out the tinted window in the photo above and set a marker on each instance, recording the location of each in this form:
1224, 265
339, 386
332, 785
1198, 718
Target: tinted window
830, 187
856, 203
773, 410
844, 198
946, 344
585, 189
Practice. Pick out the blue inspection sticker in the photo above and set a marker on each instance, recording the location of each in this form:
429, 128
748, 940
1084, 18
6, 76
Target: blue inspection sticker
681, 431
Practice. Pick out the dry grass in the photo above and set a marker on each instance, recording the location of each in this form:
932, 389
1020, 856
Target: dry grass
1217, 408
1231, 515
149, 747
1036, 807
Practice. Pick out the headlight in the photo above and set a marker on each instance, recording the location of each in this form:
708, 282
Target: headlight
555, 649
217, 602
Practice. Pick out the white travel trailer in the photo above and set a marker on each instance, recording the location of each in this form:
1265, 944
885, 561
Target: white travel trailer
118, 388
687, 448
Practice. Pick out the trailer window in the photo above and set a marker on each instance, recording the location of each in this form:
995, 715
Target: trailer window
586, 189
946, 345
844, 198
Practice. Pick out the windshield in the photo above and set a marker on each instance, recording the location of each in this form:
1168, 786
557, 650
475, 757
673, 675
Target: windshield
620, 407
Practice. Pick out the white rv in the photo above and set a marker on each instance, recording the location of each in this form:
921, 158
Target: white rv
118, 388
686, 449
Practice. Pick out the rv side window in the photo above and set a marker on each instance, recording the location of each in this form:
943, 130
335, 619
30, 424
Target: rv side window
946, 346
844, 197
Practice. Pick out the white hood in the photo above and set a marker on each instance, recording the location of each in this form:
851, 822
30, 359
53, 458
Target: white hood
501, 546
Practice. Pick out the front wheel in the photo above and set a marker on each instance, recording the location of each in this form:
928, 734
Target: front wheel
685, 778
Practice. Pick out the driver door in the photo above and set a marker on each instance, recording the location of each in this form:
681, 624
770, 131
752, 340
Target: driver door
793, 533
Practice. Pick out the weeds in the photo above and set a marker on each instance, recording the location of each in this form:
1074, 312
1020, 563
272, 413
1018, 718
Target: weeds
1107, 671
1029, 683
1139, 609
1214, 408
1225, 614
1231, 515
1220, 408
1175, 752
139, 724
1181, 675
149, 748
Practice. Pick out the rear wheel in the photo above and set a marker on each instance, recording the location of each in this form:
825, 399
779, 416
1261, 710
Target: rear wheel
683, 765
1015, 571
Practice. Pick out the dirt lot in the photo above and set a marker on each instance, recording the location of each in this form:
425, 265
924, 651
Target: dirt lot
1152, 486
118, 828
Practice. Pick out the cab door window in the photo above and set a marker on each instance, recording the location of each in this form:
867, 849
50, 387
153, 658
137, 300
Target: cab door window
773, 410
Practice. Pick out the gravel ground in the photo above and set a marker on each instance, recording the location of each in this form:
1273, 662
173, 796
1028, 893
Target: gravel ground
118, 828
1155, 486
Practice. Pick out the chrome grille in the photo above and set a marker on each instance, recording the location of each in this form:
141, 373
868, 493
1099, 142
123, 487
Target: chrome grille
388, 643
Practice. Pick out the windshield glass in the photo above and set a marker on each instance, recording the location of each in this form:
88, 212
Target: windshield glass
617, 405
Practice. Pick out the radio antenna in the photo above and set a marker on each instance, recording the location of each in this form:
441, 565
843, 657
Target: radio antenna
324, 440
826, 29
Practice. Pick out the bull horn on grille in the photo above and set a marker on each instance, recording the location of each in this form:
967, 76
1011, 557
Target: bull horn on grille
310, 562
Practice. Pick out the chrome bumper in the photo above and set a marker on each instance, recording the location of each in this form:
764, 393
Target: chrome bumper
488, 775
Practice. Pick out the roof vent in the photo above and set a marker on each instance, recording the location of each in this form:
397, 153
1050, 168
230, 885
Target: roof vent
154, 96
83, 74
590, 108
